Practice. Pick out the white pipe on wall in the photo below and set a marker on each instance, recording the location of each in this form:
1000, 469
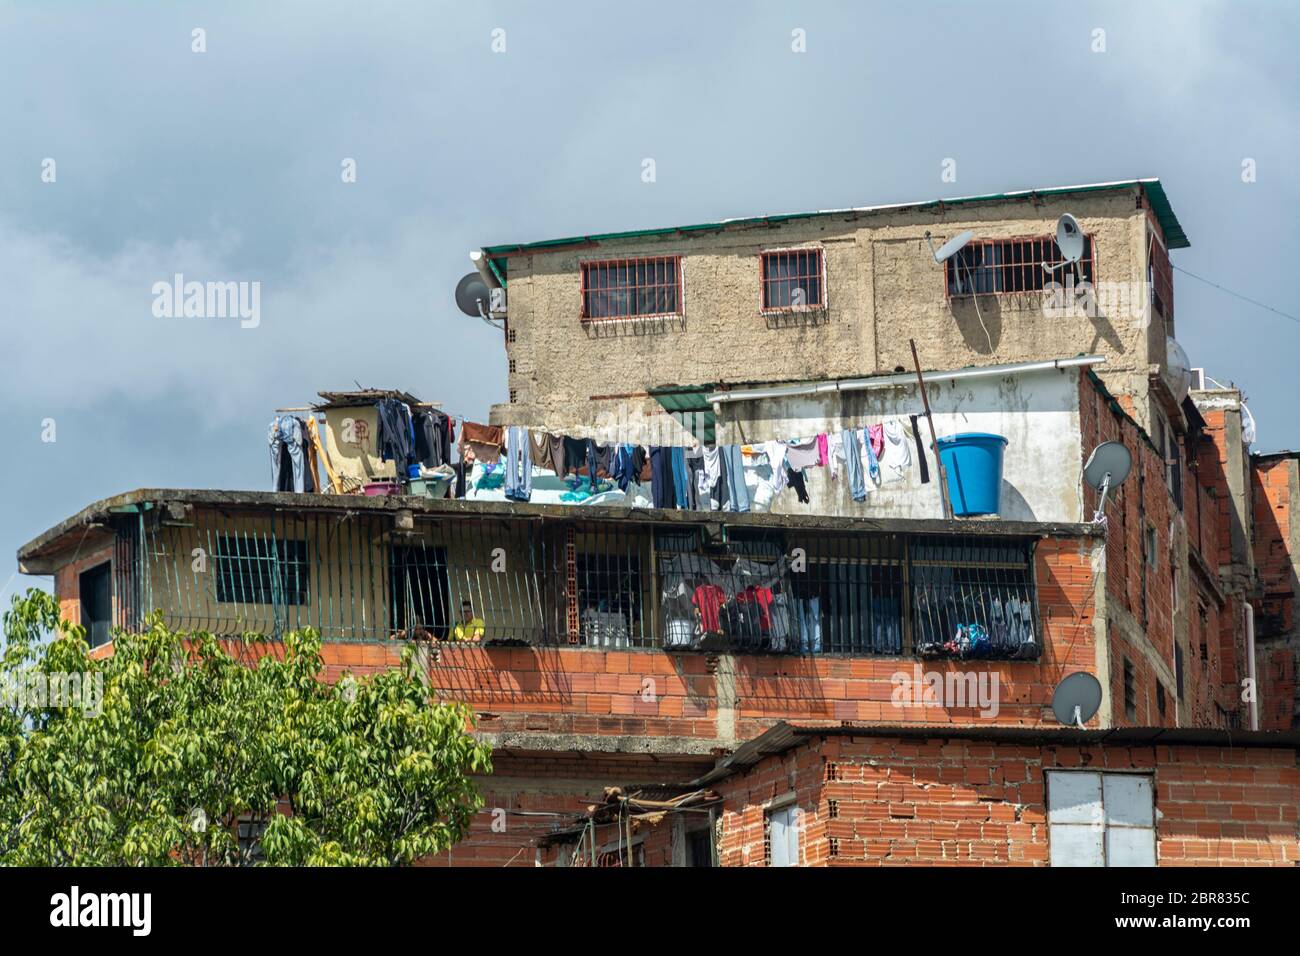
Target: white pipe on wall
894, 381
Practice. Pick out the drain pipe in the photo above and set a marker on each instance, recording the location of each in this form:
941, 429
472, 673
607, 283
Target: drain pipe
897, 380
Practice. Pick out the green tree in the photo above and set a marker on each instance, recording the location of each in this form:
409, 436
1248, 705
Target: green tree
190, 740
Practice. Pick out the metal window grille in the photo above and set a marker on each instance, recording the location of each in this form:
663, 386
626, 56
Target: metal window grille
1008, 266
632, 288
1130, 691
793, 279
256, 571
590, 581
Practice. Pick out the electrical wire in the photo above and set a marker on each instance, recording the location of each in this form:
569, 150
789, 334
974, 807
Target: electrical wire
1244, 298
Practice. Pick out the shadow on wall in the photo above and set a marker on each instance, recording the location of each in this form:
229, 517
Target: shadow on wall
1013, 504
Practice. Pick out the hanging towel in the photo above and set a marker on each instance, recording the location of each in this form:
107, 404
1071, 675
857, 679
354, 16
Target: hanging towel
920, 452
853, 463
734, 466
896, 459
681, 478
662, 489
543, 451
823, 451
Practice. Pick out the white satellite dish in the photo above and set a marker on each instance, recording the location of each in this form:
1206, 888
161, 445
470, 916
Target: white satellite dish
1106, 468
951, 247
1178, 369
1076, 699
1069, 239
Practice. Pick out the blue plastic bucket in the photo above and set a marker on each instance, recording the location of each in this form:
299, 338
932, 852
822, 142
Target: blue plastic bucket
973, 461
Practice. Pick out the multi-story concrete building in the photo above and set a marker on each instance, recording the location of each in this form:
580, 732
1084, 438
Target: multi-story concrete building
834, 719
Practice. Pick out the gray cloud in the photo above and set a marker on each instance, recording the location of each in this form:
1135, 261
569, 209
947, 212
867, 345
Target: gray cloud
225, 166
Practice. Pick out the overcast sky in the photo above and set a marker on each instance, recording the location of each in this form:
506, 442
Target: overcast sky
226, 165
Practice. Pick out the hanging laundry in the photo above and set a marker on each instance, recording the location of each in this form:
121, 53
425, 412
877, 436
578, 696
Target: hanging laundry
662, 489
802, 453
896, 459
621, 466
920, 452
288, 460
484, 441
877, 435
795, 478
519, 464
835, 453
871, 456
708, 477
575, 454
734, 467
681, 479
396, 438
543, 451
823, 450
853, 455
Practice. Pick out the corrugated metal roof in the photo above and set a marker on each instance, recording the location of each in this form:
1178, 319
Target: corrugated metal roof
1175, 237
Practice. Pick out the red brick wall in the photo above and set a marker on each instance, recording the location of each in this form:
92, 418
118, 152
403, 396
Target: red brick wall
1278, 645
657, 694
970, 803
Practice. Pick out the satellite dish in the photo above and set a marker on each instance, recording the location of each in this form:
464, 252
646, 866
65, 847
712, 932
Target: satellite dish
951, 247
1178, 369
472, 295
1076, 699
1069, 239
1106, 468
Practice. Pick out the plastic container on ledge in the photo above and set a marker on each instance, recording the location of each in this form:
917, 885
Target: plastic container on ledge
973, 461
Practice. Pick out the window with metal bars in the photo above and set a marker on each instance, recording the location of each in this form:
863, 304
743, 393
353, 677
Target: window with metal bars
1007, 266
419, 588
793, 279
252, 569
632, 288
973, 598
1130, 690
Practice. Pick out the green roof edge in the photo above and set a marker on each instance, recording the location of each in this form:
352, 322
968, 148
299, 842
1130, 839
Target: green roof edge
1175, 237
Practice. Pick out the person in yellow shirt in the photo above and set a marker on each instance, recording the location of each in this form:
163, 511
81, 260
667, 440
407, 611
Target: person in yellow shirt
470, 628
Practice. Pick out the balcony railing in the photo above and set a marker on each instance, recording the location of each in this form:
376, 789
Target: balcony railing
584, 582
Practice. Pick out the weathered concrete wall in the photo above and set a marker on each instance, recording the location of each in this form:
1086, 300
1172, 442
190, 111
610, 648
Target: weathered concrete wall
883, 288
1037, 412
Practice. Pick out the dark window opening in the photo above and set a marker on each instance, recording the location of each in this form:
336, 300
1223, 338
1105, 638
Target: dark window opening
96, 596
255, 570
419, 588
1178, 670
699, 848
1130, 691
630, 288
1160, 699
1001, 266
793, 280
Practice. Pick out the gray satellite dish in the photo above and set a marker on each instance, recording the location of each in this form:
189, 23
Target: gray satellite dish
472, 296
949, 248
1106, 468
1076, 699
1069, 239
